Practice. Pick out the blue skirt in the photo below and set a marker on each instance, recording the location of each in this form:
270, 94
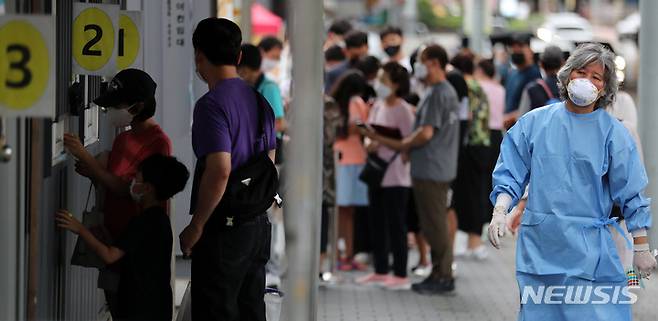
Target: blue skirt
350, 191
563, 298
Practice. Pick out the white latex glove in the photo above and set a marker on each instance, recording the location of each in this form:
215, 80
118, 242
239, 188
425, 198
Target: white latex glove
497, 226
644, 260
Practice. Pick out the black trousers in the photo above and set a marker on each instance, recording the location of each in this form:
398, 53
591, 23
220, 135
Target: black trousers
228, 271
362, 239
388, 228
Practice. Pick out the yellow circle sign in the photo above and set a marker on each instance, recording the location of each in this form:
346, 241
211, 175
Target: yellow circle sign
93, 39
129, 40
24, 69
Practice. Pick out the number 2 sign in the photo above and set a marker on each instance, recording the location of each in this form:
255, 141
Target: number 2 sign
94, 36
27, 66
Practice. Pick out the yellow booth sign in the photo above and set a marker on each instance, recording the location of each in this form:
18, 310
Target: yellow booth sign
27, 66
94, 38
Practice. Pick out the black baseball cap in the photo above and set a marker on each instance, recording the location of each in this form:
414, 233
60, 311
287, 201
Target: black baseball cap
520, 38
128, 86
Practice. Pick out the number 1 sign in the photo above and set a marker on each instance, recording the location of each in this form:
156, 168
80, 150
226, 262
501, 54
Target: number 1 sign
27, 65
95, 36
129, 51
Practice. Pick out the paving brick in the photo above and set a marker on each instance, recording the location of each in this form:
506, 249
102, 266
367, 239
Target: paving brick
486, 290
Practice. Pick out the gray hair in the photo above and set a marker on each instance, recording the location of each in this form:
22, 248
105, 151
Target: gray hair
584, 55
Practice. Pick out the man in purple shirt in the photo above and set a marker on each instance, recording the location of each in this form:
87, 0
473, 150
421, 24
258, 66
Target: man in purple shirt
228, 261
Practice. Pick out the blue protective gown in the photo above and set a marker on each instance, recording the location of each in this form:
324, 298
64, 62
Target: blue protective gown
579, 165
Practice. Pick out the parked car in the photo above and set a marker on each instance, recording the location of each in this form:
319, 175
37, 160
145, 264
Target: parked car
566, 26
629, 27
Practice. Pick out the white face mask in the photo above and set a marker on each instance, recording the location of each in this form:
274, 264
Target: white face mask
582, 92
120, 117
137, 197
382, 90
420, 71
269, 64
198, 74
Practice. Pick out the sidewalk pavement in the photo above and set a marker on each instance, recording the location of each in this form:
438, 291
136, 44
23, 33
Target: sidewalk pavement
486, 290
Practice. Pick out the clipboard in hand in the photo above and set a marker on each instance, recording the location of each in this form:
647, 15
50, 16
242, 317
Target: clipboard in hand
389, 132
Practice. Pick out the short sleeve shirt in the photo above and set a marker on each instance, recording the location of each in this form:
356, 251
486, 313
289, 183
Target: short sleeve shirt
399, 116
145, 282
270, 90
226, 120
516, 83
437, 159
351, 149
128, 151
496, 96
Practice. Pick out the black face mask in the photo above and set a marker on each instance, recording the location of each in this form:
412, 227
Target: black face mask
518, 59
392, 50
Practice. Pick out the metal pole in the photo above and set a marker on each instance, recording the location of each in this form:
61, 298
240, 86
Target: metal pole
477, 36
648, 97
304, 161
245, 20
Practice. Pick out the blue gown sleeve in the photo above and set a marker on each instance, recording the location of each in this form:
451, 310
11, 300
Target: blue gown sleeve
628, 179
512, 171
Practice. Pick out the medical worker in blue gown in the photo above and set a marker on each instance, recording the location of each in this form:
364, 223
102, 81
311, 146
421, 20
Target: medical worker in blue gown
580, 161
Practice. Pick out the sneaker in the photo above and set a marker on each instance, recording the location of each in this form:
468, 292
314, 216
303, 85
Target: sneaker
427, 286
422, 270
480, 253
445, 286
363, 258
272, 281
359, 266
433, 287
373, 279
326, 277
461, 254
345, 265
397, 283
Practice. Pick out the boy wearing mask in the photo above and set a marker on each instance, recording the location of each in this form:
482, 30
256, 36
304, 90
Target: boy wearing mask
144, 249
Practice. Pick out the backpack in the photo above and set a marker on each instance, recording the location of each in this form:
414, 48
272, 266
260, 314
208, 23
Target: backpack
251, 188
551, 98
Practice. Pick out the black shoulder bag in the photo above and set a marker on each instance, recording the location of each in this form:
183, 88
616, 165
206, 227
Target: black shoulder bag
251, 188
375, 169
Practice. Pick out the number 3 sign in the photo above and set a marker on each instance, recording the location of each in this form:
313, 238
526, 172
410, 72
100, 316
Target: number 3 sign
94, 35
27, 66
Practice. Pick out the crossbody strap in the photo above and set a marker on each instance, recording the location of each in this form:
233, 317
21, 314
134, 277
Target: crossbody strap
394, 157
548, 91
91, 186
262, 131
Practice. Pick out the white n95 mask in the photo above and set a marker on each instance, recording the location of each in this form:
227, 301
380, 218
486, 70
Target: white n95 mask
137, 197
119, 117
382, 90
420, 71
269, 64
582, 92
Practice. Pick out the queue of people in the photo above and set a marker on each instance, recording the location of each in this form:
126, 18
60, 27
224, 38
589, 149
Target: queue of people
437, 155
420, 146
